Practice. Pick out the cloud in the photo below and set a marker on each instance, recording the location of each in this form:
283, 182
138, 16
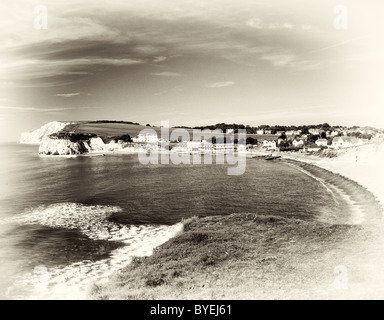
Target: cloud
166, 74
290, 60
67, 95
174, 89
33, 109
159, 59
255, 23
335, 45
258, 23
279, 59
220, 84
31, 72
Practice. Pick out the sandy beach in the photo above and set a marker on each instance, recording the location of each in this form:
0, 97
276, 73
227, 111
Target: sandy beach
361, 164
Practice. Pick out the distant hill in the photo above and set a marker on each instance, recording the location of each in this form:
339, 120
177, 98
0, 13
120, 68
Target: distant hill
107, 129
119, 128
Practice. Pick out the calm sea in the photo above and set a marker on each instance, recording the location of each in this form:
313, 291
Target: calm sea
66, 222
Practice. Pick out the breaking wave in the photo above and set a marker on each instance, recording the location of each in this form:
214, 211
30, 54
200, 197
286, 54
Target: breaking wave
73, 281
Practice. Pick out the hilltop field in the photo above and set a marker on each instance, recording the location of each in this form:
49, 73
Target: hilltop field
109, 129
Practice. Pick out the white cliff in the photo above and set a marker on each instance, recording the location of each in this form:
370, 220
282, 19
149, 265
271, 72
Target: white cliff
115, 146
96, 144
50, 146
71, 143
36, 136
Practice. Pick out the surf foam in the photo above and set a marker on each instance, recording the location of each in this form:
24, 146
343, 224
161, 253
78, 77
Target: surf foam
73, 281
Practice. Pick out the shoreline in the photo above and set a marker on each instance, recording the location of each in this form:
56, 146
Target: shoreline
357, 164
278, 258
357, 247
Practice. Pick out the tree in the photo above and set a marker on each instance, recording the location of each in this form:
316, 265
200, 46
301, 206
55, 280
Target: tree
323, 135
325, 126
251, 140
304, 130
313, 138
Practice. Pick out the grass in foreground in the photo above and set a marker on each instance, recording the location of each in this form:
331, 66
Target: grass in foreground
245, 256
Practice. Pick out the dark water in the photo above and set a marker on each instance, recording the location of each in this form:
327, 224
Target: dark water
62, 192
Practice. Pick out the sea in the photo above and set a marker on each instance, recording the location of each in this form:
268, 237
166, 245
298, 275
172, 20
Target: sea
69, 222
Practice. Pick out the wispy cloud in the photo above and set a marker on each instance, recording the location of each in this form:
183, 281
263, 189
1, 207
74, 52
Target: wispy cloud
220, 84
33, 109
67, 95
335, 45
159, 59
174, 89
166, 74
258, 23
290, 60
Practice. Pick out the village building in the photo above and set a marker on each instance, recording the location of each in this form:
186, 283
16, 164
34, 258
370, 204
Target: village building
345, 142
269, 145
298, 143
321, 142
206, 146
293, 133
146, 138
313, 148
315, 132
221, 147
241, 148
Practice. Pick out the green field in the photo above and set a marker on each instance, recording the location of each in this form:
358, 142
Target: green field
119, 129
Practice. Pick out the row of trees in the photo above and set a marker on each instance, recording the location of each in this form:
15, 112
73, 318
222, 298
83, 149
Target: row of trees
253, 130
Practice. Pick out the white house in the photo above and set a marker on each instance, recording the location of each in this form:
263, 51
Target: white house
345, 142
241, 148
206, 146
298, 143
260, 131
321, 142
293, 132
146, 138
313, 147
224, 146
269, 145
315, 132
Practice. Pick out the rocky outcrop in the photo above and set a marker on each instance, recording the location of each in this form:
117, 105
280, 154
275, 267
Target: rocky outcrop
54, 141
96, 144
36, 136
58, 146
50, 146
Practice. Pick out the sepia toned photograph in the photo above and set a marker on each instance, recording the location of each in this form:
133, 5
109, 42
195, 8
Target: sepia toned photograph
191, 150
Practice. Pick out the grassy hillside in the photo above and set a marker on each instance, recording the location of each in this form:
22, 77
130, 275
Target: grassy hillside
107, 129
118, 129
247, 256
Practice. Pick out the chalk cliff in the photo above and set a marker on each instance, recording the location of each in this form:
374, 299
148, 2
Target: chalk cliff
53, 141
36, 136
50, 146
58, 146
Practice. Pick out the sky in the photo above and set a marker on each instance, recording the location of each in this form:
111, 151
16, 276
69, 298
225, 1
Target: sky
191, 62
